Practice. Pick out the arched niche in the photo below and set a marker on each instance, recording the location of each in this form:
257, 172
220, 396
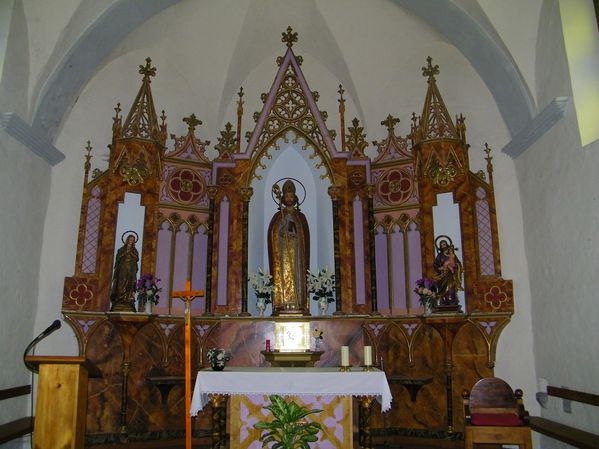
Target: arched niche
289, 158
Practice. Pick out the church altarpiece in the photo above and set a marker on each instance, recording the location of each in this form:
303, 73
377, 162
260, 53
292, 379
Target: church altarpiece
196, 226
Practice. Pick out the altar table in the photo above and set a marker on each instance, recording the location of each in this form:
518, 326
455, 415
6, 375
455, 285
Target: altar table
324, 388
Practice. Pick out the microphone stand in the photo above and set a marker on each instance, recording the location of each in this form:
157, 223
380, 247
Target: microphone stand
54, 326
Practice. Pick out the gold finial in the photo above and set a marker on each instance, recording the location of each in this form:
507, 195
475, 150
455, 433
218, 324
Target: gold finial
226, 142
390, 123
88, 157
117, 111
192, 122
341, 92
147, 71
489, 158
487, 151
289, 37
430, 70
240, 101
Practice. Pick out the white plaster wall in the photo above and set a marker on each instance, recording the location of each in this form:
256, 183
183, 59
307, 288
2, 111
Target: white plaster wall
24, 183
559, 184
518, 31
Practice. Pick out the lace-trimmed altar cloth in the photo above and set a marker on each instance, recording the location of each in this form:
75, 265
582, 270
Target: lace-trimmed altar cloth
290, 382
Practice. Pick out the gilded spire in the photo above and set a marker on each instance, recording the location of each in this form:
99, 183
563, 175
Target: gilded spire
227, 143
489, 158
430, 70
289, 37
192, 122
356, 140
142, 121
390, 123
436, 122
88, 158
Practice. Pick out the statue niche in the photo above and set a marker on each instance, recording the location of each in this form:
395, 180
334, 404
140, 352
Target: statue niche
289, 253
122, 294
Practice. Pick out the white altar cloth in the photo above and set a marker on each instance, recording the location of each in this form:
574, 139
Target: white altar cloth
290, 382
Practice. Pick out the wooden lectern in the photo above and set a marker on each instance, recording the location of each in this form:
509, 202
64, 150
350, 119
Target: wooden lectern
61, 407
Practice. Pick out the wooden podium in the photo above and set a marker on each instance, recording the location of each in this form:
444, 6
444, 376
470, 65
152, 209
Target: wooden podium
61, 407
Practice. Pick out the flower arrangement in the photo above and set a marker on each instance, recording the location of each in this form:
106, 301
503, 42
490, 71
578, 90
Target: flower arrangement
217, 356
318, 334
321, 284
147, 289
426, 290
318, 337
262, 284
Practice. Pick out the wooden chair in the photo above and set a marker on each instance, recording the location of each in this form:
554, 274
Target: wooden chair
494, 414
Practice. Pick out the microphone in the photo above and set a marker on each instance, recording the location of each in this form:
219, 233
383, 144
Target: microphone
54, 326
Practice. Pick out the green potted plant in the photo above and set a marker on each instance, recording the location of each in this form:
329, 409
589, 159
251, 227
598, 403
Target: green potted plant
289, 429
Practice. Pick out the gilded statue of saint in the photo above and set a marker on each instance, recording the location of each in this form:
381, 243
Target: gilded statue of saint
289, 253
125, 275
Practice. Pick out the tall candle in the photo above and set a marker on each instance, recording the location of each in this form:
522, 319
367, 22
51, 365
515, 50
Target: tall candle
367, 355
344, 355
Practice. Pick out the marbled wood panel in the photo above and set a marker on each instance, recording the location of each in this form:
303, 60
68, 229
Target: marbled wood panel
337, 334
104, 350
145, 411
245, 339
175, 363
469, 365
429, 410
346, 253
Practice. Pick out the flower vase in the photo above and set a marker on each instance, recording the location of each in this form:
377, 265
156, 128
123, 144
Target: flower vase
323, 305
428, 308
148, 307
217, 365
260, 306
317, 342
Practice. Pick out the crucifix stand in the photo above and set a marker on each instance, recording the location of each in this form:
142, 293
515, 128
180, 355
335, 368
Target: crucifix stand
187, 296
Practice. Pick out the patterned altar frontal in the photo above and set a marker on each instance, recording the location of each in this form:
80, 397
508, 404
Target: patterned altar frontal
335, 419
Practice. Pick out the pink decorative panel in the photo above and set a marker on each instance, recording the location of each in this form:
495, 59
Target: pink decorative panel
163, 267
92, 228
485, 236
198, 270
181, 267
415, 267
399, 272
382, 271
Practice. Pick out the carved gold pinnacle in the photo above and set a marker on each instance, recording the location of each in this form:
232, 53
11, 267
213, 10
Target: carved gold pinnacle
390, 123
430, 70
289, 37
341, 100
147, 71
192, 122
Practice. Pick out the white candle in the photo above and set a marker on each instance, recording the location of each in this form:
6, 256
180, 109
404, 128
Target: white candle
344, 355
367, 355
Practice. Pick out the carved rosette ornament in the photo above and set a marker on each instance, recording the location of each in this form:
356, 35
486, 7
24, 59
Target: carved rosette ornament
136, 173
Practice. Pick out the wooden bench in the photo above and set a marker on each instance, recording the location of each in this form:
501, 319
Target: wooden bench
570, 435
18, 427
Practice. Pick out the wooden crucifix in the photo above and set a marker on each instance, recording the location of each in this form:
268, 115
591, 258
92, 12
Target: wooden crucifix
187, 296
